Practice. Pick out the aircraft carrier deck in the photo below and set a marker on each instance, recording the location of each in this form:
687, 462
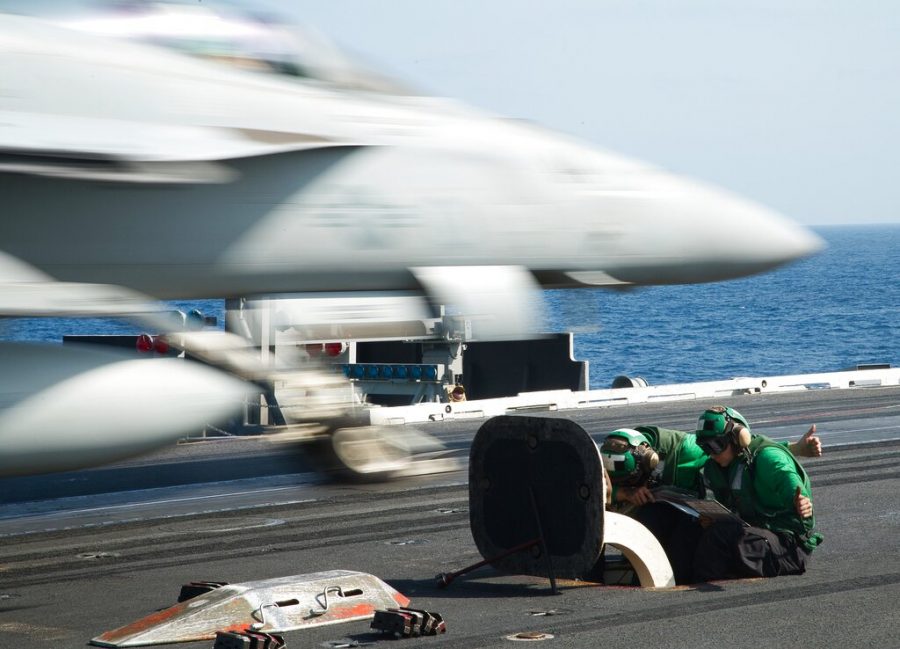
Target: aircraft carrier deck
86, 552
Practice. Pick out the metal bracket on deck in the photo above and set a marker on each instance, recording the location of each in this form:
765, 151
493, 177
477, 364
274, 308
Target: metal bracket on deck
270, 606
641, 548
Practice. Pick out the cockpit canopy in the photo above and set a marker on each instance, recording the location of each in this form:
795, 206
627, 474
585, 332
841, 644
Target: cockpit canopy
231, 32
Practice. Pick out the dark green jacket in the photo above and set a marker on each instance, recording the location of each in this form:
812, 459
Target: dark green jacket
761, 489
680, 459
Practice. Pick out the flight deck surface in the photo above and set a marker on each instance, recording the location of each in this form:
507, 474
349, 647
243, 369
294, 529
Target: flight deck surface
86, 552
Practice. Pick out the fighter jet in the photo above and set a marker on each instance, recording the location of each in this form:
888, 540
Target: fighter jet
133, 170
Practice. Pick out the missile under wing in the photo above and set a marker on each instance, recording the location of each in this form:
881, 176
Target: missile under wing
129, 169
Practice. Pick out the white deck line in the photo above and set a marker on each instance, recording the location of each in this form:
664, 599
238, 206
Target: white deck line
568, 400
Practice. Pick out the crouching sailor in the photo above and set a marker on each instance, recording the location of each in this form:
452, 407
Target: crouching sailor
761, 481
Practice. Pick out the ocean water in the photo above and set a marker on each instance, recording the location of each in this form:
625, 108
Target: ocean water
833, 311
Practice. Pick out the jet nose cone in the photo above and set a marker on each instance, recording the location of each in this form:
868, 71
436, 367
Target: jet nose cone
787, 241
710, 235
743, 238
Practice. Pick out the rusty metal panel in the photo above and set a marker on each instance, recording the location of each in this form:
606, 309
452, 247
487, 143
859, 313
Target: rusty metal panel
271, 606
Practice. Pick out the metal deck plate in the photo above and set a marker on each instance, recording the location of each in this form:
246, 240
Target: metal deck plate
272, 605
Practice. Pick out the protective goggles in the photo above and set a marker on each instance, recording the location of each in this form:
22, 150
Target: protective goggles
713, 445
615, 445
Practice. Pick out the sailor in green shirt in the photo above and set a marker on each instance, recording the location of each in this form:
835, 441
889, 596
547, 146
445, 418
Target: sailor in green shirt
628, 456
763, 483
641, 458
646, 456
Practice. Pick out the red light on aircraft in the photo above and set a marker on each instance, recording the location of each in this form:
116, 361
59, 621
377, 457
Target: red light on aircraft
161, 345
334, 349
144, 343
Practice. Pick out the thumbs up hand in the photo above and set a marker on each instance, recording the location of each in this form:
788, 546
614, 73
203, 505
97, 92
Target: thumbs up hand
802, 504
810, 445
812, 442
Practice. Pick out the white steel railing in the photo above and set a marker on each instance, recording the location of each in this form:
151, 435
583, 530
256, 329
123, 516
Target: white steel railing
567, 399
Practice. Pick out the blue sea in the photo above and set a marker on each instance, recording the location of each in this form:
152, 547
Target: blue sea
833, 311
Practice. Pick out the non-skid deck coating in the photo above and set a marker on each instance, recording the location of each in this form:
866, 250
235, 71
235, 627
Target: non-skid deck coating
91, 561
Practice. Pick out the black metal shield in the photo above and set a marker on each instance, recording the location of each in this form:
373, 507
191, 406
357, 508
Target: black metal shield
532, 477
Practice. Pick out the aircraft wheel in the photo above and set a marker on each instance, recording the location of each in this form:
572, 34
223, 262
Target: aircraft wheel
369, 453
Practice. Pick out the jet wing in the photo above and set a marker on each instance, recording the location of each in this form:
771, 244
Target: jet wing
113, 150
69, 299
26, 291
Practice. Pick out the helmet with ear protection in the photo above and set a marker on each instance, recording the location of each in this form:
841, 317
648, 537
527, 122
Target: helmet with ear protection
628, 457
722, 421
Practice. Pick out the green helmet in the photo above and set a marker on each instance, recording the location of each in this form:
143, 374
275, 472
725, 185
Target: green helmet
716, 429
628, 457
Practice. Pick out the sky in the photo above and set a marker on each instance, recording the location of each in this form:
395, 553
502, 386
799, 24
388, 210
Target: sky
793, 104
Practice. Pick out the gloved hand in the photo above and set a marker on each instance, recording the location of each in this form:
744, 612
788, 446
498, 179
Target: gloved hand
635, 495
